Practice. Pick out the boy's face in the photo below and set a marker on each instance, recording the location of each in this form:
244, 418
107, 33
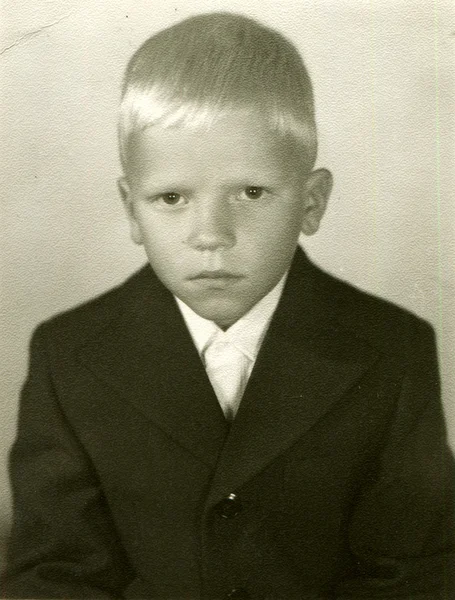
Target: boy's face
219, 212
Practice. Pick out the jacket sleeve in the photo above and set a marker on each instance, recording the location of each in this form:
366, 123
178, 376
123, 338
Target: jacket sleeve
402, 528
63, 542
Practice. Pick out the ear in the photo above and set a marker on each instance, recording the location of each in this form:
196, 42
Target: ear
318, 187
125, 194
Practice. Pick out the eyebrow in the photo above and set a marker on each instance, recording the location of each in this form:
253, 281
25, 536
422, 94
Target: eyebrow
260, 179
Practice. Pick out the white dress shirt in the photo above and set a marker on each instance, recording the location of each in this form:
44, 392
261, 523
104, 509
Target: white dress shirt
229, 356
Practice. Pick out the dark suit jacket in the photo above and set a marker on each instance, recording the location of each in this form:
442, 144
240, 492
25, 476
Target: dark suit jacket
334, 481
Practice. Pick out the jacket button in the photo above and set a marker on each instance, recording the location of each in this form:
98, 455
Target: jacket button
229, 508
238, 594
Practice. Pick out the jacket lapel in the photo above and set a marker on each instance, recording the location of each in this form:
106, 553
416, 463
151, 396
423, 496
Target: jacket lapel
148, 357
307, 362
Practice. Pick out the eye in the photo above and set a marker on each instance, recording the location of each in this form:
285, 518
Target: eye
252, 192
171, 198
168, 200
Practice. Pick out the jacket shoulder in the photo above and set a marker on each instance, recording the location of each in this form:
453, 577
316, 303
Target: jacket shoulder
85, 321
381, 322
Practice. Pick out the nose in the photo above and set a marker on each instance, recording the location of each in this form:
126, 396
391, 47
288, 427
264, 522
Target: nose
212, 227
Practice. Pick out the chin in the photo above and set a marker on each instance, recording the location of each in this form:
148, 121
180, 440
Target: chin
222, 315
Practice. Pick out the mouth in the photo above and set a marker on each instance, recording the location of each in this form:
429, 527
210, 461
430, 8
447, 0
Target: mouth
217, 279
215, 275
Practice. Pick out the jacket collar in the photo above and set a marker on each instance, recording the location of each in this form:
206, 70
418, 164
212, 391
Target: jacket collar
307, 361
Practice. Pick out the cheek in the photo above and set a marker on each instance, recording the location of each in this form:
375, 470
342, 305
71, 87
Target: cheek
161, 247
157, 235
279, 228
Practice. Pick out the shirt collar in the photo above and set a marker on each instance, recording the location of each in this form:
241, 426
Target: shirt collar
246, 334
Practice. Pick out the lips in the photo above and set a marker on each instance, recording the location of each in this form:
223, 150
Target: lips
216, 274
216, 277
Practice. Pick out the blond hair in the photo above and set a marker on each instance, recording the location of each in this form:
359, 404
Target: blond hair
196, 71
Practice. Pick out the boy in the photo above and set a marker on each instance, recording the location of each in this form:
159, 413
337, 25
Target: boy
231, 422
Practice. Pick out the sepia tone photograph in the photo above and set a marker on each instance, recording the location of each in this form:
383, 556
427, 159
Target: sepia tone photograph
227, 299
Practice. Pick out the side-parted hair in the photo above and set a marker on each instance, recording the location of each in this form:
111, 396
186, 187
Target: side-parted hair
202, 68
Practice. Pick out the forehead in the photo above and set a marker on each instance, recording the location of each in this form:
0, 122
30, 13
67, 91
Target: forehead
240, 142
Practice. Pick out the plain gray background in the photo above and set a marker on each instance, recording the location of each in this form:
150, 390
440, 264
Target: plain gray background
384, 83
